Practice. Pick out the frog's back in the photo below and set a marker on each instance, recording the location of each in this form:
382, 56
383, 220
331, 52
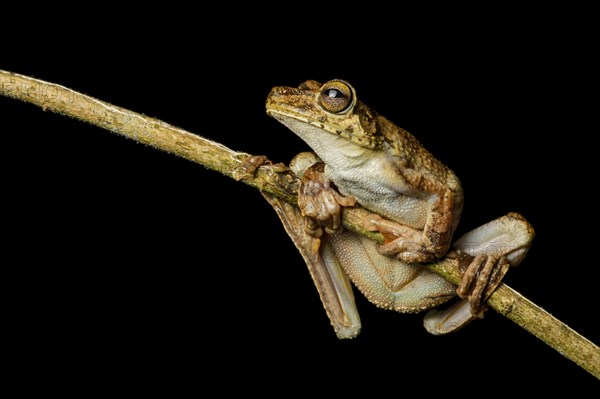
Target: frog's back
420, 170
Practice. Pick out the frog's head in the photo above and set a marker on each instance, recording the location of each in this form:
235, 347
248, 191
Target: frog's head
322, 114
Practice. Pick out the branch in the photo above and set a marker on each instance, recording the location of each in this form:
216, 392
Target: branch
281, 183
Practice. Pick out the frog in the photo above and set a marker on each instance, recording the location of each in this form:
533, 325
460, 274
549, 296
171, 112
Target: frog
359, 157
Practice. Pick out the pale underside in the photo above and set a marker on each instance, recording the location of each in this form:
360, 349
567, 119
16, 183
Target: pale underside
363, 173
370, 176
385, 281
373, 177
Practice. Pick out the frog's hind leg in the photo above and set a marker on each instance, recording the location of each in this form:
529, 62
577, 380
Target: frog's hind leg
331, 281
495, 247
486, 253
388, 282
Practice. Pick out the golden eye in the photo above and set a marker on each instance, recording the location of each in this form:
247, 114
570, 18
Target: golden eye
336, 96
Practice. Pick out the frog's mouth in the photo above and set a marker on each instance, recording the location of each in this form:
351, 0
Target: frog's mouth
285, 103
297, 109
321, 141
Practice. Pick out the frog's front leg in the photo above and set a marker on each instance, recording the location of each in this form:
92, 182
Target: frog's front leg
385, 281
485, 254
318, 200
431, 239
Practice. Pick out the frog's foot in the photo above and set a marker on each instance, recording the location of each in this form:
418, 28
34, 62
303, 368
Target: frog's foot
480, 279
438, 322
321, 204
486, 254
401, 241
247, 168
249, 165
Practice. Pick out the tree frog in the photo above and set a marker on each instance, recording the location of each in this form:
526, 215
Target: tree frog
361, 157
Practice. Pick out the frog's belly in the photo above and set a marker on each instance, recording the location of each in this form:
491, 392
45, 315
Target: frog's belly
382, 195
409, 211
387, 282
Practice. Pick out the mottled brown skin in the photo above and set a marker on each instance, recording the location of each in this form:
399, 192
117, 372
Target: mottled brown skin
425, 174
416, 199
411, 170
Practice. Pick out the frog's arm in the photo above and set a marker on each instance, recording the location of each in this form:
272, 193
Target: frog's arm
443, 213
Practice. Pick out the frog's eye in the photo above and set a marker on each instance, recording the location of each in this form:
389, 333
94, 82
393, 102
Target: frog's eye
336, 96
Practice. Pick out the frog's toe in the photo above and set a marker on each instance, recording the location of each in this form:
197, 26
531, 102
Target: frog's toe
393, 248
247, 168
480, 279
407, 251
415, 257
312, 228
439, 322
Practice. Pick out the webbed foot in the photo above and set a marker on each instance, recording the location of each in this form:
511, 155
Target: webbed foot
485, 254
480, 279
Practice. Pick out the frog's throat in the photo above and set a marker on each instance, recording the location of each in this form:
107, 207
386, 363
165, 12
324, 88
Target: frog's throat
295, 121
333, 149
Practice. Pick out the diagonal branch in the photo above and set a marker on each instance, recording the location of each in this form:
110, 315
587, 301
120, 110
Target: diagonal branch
281, 183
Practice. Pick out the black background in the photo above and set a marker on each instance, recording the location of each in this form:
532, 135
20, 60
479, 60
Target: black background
132, 264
